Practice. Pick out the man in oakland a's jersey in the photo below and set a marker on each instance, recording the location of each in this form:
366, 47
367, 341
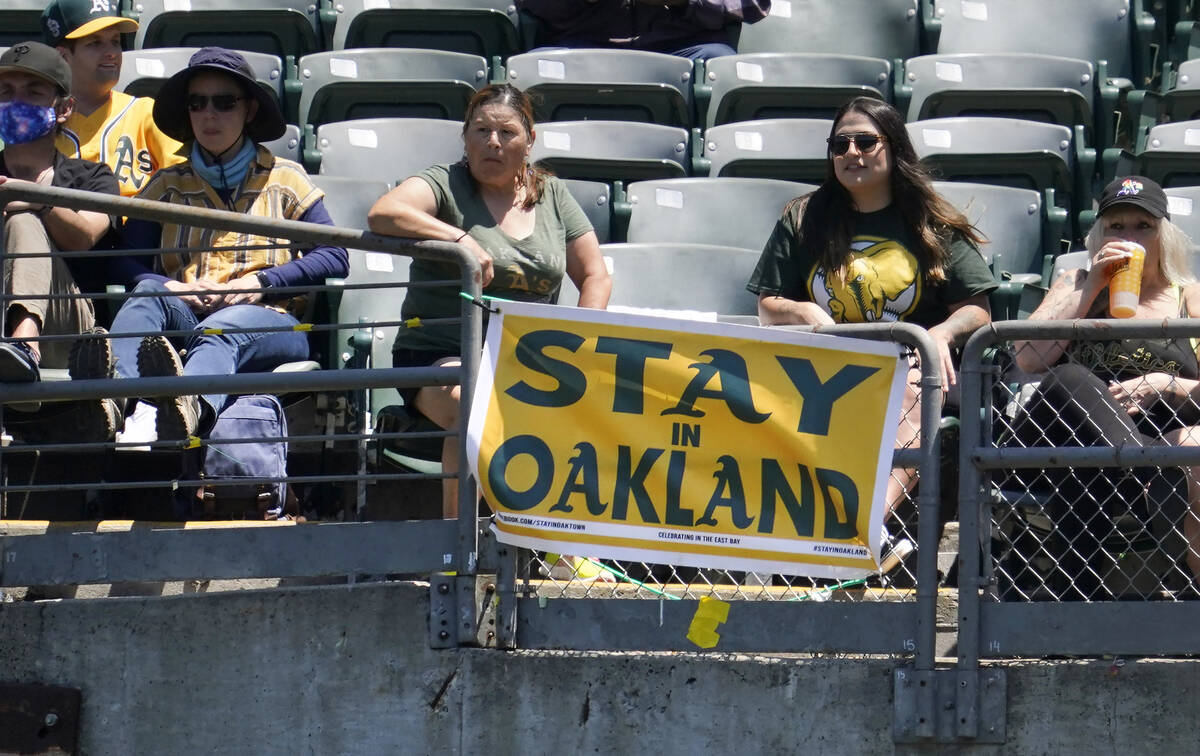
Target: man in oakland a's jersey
107, 127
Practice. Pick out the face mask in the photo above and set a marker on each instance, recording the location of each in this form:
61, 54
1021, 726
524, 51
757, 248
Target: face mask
21, 122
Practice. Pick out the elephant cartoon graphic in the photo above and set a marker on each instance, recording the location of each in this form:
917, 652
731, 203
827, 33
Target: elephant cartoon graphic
882, 283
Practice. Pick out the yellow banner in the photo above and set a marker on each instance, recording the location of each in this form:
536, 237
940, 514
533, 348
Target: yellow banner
704, 444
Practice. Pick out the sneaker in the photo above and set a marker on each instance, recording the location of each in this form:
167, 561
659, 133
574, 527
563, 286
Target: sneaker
18, 364
91, 358
178, 416
141, 428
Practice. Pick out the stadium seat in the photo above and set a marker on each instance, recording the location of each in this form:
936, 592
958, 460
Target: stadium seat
611, 150
1181, 95
1017, 85
1184, 204
731, 212
878, 28
1117, 32
387, 83
1010, 152
20, 21
595, 198
381, 149
1023, 235
275, 27
702, 277
610, 85
287, 146
792, 149
476, 27
1171, 157
144, 71
787, 85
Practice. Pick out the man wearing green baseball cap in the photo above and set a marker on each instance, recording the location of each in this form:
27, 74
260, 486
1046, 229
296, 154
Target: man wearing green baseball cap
46, 290
107, 127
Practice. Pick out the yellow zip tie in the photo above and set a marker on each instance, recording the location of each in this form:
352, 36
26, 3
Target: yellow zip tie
412, 323
191, 442
213, 331
710, 613
302, 327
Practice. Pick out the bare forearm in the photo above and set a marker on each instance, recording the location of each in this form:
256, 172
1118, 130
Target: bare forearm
595, 291
1069, 298
962, 323
399, 219
776, 310
74, 230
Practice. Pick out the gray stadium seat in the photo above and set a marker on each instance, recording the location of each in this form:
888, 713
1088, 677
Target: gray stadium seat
287, 146
731, 212
701, 277
144, 71
1093, 30
595, 197
20, 21
1033, 87
1181, 97
1010, 152
387, 83
1184, 203
792, 149
611, 85
1023, 235
382, 149
787, 85
1172, 155
878, 28
476, 27
611, 150
275, 27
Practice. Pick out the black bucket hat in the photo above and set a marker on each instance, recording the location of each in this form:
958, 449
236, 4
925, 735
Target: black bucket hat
170, 106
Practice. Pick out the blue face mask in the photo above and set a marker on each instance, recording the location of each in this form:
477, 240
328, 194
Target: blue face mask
21, 122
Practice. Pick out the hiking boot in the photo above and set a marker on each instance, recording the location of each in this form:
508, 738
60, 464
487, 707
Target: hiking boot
178, 416
18, 364
91, 358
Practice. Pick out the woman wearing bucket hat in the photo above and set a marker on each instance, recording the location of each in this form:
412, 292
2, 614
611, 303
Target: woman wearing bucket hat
215, 107
1129, 391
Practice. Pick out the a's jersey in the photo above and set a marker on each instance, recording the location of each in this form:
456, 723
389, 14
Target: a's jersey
123, 136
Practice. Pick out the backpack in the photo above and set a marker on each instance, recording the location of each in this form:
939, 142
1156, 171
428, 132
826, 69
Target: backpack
249, 416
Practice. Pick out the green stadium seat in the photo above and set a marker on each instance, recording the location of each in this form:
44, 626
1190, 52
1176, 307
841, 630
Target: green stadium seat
672, 276
382, 149
610, 85
595, 198
878, 28
475, 27
387, 83
1118, 32
611, 150
730, 212
791, 149
144, 71
275, 27
20, 21
1017, 85
787, 85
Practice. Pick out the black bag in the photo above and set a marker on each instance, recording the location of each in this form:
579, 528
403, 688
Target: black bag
252, 416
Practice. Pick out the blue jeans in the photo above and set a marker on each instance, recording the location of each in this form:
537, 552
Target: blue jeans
207, 354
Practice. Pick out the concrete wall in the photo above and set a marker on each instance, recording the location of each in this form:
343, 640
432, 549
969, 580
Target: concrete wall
347, 670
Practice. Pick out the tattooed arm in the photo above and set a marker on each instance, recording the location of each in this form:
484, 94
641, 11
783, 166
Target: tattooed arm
965, 318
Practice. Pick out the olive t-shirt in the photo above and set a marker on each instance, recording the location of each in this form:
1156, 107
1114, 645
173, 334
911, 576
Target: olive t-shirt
883, 280
528, 270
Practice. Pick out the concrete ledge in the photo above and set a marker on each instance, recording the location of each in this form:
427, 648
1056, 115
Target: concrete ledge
347, 670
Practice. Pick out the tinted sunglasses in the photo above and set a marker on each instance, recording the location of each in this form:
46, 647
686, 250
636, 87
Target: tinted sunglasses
222, 103
866, 143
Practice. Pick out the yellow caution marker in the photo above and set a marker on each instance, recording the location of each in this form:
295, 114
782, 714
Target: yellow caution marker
412, 323
213, 331
710, 613
302, 327
191, 442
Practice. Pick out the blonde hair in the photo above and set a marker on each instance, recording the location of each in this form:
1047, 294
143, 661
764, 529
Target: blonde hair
1174, 245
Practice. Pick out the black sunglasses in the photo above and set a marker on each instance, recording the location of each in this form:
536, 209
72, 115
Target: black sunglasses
866, 143
222, 103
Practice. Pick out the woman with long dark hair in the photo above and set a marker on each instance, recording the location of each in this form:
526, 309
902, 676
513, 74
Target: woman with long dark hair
876, 243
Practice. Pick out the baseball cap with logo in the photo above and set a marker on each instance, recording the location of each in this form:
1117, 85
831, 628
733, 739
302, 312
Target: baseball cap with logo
1138, 191
72, 19
39, 60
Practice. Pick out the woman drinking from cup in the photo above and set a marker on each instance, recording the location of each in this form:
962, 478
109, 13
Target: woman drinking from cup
1130, 391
